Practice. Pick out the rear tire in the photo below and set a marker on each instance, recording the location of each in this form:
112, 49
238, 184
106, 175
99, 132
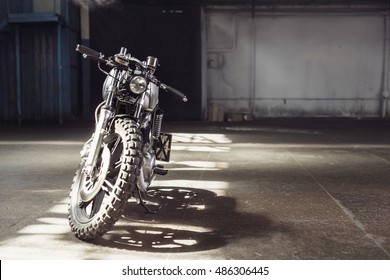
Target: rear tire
117, 171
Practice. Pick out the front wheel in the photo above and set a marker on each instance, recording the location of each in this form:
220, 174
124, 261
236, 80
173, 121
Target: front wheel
97, 202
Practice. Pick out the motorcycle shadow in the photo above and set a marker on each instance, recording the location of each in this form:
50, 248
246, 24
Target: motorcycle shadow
188, 220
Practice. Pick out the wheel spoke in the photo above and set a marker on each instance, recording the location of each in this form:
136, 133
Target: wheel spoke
97, 203
115, 146
114, 170
107, 186
118, 164
83, 204
89, 185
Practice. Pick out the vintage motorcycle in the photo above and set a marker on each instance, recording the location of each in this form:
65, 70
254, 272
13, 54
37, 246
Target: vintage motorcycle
119, 161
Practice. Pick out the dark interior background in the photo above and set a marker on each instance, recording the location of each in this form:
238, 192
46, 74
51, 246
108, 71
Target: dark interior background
169, 32
42, 78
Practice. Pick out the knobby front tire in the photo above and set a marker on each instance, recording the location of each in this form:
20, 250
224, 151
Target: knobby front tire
117, 178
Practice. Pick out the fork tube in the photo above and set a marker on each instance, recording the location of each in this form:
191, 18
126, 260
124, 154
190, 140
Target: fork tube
106, 112
139, 105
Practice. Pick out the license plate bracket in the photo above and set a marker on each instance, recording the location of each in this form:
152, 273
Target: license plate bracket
163, 147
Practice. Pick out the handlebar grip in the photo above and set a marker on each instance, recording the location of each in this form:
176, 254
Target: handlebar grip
87, 51
178, 93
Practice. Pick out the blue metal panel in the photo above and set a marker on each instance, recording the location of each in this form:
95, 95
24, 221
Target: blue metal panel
39, 79
18, 75
59, 74
7, 77
34, 17
19, 6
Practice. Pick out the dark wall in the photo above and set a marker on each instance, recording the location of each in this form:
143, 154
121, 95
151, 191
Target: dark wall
46, 89
7, 77
169, 32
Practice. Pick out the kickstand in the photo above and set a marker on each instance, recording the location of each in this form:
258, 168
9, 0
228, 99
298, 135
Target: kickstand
143, 203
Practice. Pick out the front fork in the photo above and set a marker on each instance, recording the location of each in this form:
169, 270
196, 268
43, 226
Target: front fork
97, 139
106, 113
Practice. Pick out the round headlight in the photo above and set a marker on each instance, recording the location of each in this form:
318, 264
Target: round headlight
138, 85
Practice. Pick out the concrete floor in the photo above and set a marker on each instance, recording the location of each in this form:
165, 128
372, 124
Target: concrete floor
270, 189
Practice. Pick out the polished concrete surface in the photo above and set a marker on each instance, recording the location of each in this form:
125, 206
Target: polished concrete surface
269, 189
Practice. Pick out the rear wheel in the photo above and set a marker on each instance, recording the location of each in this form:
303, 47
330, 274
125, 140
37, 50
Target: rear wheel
97, 202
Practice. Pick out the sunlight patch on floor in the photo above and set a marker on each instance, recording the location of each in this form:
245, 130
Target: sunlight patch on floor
197, 165
201, 138
206, 149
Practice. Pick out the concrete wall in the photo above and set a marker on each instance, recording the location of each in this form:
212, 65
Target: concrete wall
45, 6
295, 64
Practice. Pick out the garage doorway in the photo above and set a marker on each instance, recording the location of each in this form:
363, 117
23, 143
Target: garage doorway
169, 32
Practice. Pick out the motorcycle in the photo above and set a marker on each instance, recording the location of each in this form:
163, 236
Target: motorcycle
119, 161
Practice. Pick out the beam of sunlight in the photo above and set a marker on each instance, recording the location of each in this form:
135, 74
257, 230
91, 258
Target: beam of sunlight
198, 165
308, 146
201, 138
50, 225
201, 149
61, 208
44, 229
45, 239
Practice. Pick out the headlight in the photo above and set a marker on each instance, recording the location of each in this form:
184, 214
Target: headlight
138, 85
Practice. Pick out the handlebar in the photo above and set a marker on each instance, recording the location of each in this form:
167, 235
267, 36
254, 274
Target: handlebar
92, 54
176, 92
87, 51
